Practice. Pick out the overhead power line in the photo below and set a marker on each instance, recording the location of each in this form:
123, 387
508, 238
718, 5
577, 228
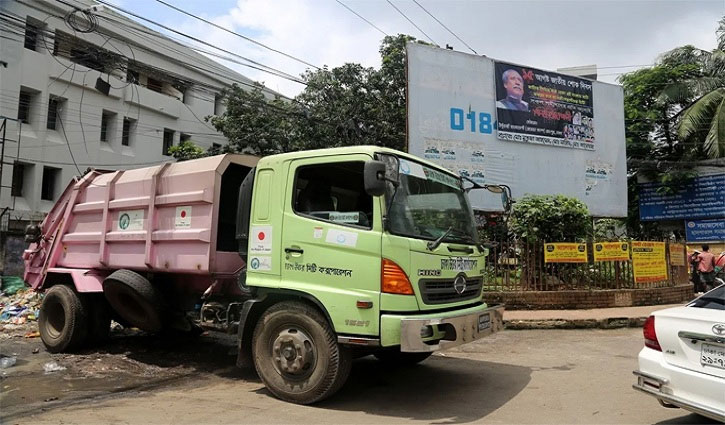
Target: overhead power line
444, 26
251, 40
411, 22
361, 17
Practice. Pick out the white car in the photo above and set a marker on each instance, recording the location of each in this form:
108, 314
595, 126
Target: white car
683, 361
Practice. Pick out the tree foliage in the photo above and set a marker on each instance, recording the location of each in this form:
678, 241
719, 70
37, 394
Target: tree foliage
343, 106
186, 150
547, 218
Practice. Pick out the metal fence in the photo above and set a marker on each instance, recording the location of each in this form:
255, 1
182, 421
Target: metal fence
519, 266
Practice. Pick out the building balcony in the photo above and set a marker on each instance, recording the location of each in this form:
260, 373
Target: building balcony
141, 96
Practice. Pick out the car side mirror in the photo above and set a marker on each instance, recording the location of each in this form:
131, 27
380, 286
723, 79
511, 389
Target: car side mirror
374, 178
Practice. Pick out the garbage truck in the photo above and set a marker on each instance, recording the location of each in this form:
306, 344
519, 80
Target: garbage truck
311, 258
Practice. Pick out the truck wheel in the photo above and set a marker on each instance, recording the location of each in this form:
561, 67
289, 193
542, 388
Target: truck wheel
296, 354
134, 299
63, 320
399, 358
99, 318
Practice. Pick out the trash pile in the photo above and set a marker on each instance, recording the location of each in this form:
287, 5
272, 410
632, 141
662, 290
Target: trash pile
18, 304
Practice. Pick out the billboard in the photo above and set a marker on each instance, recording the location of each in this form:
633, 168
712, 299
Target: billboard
543, 107
461, 116
703, 198
712, 230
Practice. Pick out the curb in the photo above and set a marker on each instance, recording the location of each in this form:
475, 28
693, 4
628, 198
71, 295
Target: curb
608, 323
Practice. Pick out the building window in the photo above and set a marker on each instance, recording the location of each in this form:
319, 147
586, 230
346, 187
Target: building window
155, 85
24, 103
183, 137
217, 104
132, 76
107, 119
32, 33
18, 178
54, 104
168, 141
50, 176
129, 126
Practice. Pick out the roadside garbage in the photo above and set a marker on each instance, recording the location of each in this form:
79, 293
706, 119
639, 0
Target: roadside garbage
12, 284
51, 367
21, 307
6, 362
32, 334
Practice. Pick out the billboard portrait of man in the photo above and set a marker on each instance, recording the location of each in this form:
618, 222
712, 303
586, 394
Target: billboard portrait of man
514, 85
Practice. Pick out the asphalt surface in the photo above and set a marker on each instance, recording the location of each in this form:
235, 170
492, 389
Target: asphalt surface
529, 376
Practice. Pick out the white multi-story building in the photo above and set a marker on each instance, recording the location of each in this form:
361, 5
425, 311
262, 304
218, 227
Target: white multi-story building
104, 92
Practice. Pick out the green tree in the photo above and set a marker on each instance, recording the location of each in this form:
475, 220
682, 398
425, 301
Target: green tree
547, 218
343, 106
186, 150
702, 122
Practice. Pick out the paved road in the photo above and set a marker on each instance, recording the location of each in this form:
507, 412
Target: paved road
544, 376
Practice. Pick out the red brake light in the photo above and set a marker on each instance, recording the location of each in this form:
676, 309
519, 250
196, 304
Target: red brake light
650, 336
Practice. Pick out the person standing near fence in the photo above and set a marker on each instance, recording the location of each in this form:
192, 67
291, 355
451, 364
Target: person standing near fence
706, 267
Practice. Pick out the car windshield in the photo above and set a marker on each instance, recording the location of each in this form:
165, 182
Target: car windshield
428, 203
714, 299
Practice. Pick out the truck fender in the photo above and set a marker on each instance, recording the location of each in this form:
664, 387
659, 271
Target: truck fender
83, 281
252, 310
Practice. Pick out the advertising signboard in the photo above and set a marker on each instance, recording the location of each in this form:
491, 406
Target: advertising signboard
648, 261
611, 251
705, 230
564, 252
677, 254
542, 107
704, 198
461, 116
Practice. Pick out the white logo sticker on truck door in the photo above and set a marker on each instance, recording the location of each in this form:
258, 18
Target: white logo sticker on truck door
182, 220
130, 220
261, 263
341, 237
261, 240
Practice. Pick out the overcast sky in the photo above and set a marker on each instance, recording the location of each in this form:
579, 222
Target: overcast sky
618, 36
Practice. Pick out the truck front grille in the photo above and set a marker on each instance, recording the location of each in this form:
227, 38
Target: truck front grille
441, 291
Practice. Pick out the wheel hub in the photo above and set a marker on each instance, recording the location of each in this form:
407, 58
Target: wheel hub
293, 352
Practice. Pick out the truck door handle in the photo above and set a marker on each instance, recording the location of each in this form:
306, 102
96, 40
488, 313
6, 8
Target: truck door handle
466, 250
294, 250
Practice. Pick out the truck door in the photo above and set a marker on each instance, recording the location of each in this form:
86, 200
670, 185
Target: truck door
331, 240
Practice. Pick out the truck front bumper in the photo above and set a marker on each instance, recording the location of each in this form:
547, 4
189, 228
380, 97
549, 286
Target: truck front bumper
449, 329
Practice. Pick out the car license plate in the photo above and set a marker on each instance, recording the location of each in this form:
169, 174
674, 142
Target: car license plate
484, 322
710, 355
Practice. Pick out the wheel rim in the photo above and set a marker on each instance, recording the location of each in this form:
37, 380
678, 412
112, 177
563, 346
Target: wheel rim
55, 319
293, 352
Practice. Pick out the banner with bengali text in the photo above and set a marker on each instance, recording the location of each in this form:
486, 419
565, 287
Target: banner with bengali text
611, 251
648, 261
564, 252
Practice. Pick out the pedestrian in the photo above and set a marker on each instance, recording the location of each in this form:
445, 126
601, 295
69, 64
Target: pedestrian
706, 267
693, 271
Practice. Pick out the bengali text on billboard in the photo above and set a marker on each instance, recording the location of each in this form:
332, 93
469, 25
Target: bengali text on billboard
564, 252
677, 254
648, 261
543, 107
703, 198
611, 251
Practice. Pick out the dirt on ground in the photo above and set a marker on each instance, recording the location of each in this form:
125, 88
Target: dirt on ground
131, 360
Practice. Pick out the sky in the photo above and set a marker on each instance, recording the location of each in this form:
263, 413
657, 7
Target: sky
617, 36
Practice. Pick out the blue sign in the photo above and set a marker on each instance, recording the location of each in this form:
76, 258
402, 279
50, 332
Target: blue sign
704, 198
705, 230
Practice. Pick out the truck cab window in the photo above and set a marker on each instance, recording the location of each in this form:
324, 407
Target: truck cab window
333, 192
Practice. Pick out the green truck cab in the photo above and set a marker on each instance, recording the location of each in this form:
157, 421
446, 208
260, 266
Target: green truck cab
350, 252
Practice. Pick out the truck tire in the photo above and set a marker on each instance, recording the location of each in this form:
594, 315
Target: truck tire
398, 358
99, 318
296, 354
63, 321
134, 299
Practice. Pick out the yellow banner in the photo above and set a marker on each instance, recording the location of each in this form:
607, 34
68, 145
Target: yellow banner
677, 254
611, 251
648, 260
565, 253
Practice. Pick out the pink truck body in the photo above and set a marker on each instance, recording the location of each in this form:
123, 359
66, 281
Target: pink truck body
175, 218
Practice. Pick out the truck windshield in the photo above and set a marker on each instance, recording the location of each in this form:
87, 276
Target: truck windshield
428, 203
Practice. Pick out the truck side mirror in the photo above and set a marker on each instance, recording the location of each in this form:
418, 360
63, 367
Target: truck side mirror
374, 178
